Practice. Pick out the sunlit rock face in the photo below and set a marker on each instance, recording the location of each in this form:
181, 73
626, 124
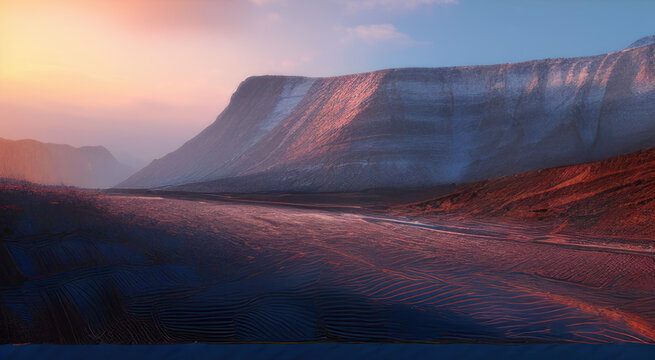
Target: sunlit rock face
54, 164
417, 127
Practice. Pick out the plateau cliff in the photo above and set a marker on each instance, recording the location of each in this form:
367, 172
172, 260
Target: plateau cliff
416, 127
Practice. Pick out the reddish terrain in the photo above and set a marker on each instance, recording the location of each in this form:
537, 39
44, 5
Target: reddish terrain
612, 200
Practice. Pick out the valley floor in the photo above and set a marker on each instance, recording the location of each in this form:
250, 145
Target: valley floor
89, 267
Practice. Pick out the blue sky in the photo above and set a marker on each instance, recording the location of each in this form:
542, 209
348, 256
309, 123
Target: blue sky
470, 32
488, 32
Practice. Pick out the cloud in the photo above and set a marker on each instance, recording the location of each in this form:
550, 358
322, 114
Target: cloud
157, 16
378, 33
393, 5
273, 17
293, 64
266, 2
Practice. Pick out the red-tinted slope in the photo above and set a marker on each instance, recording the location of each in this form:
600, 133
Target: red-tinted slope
610, 197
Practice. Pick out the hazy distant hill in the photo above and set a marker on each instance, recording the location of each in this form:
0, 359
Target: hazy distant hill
55, 164
418, 127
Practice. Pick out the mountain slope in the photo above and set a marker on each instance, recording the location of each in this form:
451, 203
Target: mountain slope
55, 164
610, 197
417, 127
645, 41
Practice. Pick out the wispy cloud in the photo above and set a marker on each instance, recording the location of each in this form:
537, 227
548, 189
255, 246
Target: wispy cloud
266, 2
293, 64
393, 5
273, 17
376, 33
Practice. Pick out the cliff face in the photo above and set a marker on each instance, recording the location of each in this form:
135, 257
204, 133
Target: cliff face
54, 164
417, 127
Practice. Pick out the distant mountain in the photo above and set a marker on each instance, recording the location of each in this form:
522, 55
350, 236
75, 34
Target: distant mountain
54, 164
417, 127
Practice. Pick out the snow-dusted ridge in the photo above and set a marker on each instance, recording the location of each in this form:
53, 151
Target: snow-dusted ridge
644, 41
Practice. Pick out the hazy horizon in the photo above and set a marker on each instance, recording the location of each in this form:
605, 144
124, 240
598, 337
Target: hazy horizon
142, 78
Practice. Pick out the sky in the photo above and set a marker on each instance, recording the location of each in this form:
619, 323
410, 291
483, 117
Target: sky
141, 77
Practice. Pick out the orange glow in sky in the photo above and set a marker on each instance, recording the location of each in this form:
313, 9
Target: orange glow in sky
71, 71
143, 76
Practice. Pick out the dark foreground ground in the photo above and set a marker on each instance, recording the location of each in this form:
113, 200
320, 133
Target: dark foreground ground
85, 267
81, 267
328, 351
